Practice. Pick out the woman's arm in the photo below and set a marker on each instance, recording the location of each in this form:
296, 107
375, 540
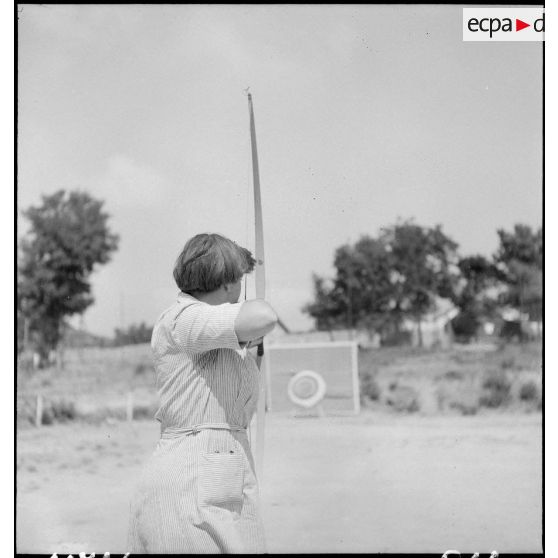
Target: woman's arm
255, 319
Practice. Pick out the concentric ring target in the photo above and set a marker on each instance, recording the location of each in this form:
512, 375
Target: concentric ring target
306, 388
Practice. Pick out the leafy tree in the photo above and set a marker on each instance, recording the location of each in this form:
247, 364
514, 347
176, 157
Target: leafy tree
519, 259
68, 237
475, 295
327, 308
379, 281
525, 290
523, 245
424, 260
359, 295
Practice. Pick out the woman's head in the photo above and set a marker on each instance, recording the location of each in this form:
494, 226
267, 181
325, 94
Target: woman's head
210, 261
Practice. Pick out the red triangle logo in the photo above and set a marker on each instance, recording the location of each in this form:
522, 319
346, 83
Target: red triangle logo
519, 25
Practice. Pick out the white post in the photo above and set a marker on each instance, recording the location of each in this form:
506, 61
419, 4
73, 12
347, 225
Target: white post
356, 387
39, 411
130, 407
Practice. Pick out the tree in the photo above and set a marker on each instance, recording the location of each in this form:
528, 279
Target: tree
424, 260
359, 295
523, 245
379, 281
68, 238
519, 259
327, 308
475, 295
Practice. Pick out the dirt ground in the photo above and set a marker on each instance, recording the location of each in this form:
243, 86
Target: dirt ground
376, 482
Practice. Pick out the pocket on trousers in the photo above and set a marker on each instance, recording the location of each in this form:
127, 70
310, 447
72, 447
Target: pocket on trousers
221, 481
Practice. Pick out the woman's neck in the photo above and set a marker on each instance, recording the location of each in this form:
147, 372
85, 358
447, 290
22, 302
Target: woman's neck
216, 297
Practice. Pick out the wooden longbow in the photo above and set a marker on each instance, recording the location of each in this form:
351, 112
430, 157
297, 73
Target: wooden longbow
260, 290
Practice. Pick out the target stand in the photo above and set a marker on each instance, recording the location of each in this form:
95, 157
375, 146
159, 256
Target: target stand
329, 371
306, 390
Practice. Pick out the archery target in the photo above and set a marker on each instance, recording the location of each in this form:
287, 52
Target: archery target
336, 362
306, 388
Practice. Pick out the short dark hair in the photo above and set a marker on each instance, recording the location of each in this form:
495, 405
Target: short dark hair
209, 261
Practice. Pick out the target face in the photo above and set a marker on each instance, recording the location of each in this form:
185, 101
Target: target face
306, 388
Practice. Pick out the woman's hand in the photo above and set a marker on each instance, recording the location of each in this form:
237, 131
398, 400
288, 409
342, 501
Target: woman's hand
251, 344
254, 343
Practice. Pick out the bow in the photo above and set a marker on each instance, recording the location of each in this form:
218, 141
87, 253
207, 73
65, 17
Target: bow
260, 289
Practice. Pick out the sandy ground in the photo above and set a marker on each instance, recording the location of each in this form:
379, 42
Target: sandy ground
372, 483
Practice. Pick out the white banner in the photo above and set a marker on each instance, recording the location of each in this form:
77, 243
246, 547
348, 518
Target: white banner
503, 24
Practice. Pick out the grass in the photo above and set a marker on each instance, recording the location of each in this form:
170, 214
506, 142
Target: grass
464, 380
94, 383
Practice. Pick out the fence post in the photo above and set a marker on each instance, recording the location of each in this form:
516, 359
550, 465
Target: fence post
130, 407
39, 411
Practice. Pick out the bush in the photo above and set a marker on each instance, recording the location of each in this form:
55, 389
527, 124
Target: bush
397, 339
403, 399
529, 391
508, 363
514, 331
369, 387
497, 389
454, 375
465, 408
59, 411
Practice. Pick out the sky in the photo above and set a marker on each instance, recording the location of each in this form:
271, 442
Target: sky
365, 114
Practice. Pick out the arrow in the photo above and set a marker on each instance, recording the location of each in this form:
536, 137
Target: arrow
519, 25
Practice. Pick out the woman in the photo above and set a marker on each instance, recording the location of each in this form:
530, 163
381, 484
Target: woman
199, 493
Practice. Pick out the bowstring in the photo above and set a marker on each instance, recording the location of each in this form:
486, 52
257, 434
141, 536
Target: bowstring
247, 228
245, 279
250, 221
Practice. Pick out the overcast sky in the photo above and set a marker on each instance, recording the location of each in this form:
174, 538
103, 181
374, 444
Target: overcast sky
364, 114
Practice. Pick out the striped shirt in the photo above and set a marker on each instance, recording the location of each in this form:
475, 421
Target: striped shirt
198, 493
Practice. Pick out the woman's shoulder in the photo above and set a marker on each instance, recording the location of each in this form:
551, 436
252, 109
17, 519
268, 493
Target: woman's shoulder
180, 304
172, 312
